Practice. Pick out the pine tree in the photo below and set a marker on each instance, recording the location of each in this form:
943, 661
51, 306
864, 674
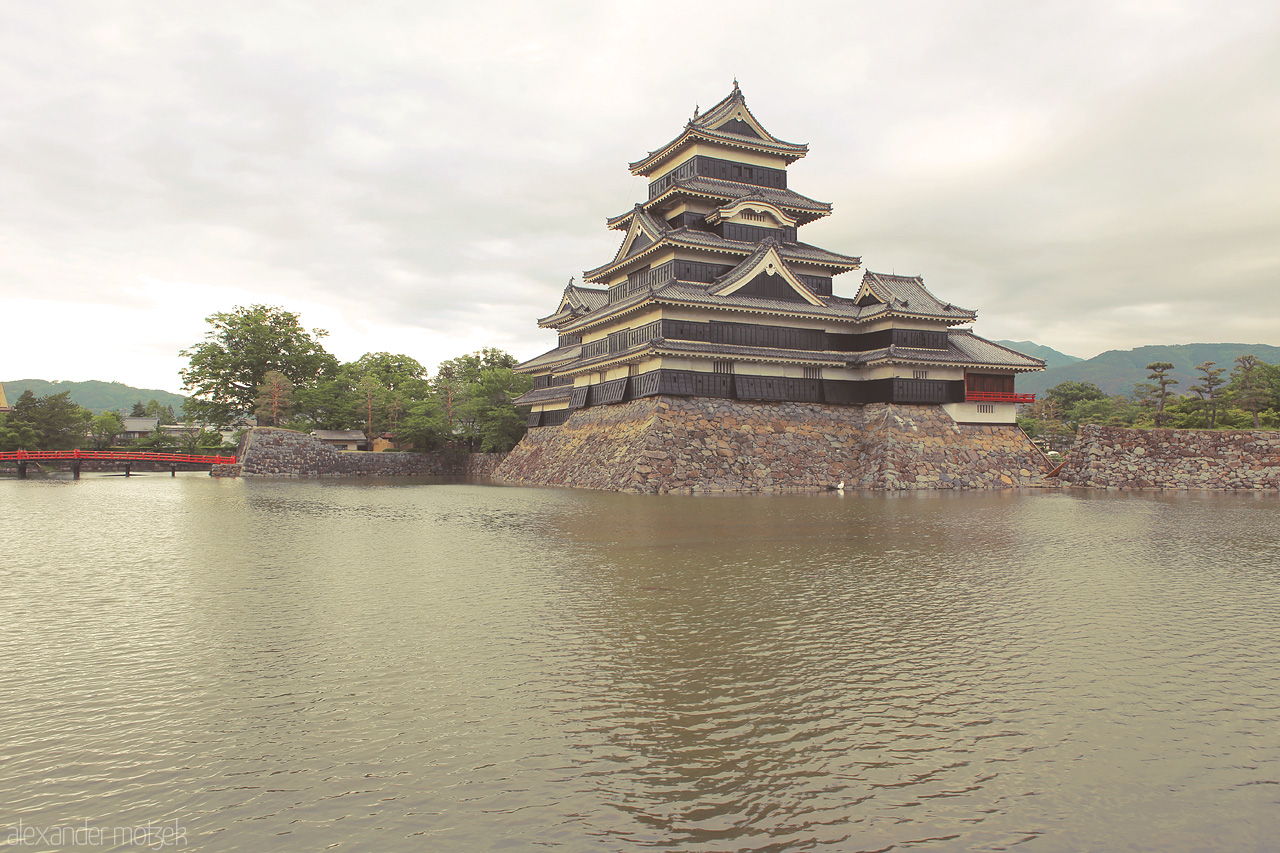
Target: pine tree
1207, 389
1160, 375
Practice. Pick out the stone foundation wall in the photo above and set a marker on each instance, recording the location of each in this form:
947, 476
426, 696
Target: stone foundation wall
1118, 457
671, 444
269, 452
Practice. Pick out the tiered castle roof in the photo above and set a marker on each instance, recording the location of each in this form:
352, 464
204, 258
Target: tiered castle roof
717, 239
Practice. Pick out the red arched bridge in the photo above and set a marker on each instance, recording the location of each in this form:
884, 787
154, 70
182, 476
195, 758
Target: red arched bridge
123, 457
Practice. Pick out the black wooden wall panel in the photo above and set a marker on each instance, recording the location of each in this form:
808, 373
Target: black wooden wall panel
861, 343
913, 338
928, 391
550, 380
646, 384
754, 233
778, 388
819, 284
920, 338
725, 170
609, 392
690, 383
745, 334
767, 286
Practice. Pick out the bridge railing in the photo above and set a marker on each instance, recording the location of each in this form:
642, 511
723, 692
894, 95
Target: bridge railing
116, 455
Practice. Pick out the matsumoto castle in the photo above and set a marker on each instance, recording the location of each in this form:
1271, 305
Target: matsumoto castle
713, 293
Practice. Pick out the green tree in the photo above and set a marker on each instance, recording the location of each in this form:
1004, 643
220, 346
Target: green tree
158, 440
1159, 393
371, 393
58, 423
455, 375
17, 434
226, 368
336, 402
274, 397
395, 372
104, 429
138, 411
1248, 386
203, 442
425, 426
497, 423
1068, 394
1207, 390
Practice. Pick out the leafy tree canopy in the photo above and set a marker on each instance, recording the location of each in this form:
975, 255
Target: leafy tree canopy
1067, 394
393, 371
47, 423
104, 428
17, 434
241, 347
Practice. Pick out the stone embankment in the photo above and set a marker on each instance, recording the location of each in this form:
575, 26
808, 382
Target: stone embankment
269, 452
684, 444
1121, 458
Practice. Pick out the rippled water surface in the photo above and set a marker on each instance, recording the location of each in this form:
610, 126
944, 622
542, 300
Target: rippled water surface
415, 666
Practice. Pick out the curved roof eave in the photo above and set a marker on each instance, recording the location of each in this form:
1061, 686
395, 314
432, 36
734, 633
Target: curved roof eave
789, 151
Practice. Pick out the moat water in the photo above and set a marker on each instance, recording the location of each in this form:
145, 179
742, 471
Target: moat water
414, 666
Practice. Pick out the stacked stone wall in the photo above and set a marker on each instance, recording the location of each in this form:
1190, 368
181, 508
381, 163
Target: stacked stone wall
672, 444
269, 452
1122, 458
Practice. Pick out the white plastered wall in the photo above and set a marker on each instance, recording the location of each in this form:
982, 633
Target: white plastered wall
982, 413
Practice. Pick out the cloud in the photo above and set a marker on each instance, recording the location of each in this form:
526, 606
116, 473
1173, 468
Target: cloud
434, 176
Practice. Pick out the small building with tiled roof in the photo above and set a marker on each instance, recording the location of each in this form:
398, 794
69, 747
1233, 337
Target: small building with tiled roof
712, 293
342, 439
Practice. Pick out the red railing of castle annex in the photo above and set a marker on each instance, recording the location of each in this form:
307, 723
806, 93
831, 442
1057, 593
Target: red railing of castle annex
997, 397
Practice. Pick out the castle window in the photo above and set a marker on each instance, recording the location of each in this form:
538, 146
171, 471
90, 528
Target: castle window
919, 374
722, 366
986, 408
813, 373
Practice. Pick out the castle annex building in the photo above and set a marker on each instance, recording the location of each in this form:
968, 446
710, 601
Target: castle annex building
713, 293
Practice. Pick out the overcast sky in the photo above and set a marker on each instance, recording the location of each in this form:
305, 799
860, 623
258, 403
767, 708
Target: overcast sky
1087, 175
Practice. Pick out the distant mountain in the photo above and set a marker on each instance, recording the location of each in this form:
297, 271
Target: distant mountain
1116, 371
1051, 357
94, 395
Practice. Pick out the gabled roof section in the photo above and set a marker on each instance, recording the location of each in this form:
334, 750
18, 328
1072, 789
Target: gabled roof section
549, 359
695, 239
803, 208
728, 123
732, 116
642, 233
574, 302
980, 349
764, 261
756, 202
907, 295
964, 349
